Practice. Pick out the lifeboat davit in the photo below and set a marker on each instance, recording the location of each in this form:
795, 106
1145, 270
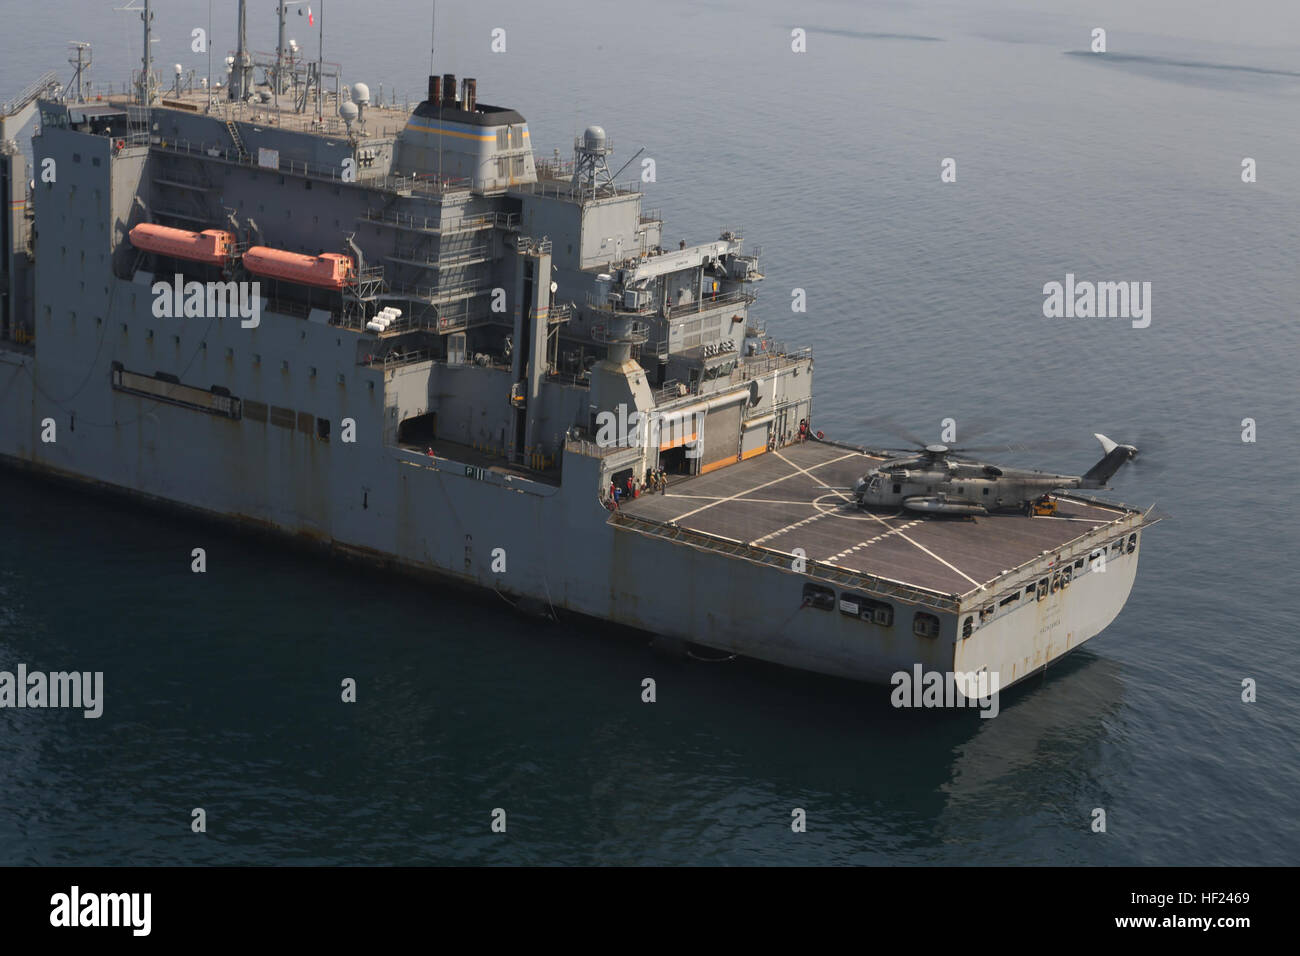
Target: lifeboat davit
328, 270
212, 246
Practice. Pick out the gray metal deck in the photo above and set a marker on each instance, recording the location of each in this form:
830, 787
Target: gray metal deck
795, 497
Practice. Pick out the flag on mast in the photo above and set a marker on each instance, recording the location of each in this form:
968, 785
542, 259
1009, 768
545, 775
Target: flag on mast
311, 20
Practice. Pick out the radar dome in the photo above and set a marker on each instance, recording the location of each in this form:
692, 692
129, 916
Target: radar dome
361, 94
348, 111
594, 138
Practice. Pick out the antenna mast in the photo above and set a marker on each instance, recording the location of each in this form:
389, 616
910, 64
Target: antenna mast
81, 59
243, 68
146, 60
279, 54
320, 70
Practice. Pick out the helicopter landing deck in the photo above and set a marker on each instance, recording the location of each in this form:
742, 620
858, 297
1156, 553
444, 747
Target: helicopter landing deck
798, 497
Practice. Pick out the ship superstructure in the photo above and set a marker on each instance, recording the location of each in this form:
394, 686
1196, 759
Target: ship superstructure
400, 334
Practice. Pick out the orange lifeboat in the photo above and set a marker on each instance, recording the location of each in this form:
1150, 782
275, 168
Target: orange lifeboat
212, 246
328, 270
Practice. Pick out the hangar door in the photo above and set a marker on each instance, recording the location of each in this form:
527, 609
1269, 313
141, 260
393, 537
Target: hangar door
721, 437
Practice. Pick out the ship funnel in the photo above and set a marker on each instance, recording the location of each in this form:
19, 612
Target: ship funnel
435, 90
471, 94
449, 89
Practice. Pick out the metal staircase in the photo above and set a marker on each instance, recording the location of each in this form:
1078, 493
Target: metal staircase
234, 135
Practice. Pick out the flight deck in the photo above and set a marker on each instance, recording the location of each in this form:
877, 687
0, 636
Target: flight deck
799, 497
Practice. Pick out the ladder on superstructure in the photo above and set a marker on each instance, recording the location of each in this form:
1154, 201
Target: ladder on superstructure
234, 135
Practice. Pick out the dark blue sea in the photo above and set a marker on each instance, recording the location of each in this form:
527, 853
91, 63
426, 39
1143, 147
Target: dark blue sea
924, 302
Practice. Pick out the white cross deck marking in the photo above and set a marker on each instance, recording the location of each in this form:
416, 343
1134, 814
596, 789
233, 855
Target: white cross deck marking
790, 527
774, 481
871, 541
921, 547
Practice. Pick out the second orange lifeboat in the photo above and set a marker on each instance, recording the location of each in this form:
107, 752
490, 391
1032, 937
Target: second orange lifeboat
328, 270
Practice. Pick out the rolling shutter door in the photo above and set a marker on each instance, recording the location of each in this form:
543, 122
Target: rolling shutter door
721, 436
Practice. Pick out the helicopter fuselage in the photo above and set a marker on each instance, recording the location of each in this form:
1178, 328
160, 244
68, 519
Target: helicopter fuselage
957, 489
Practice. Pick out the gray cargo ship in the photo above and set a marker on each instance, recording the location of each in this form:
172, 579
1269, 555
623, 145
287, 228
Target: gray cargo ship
400, 334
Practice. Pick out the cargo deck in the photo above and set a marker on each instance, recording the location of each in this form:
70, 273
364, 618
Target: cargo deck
797, 497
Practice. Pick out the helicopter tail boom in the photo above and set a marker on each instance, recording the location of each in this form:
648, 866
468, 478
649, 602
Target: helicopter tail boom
1115, 456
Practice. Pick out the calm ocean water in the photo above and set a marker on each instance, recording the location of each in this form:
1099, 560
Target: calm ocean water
924, 302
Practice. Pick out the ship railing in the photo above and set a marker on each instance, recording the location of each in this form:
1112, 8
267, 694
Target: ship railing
564, 188
1068, 553
226, 151
530, 245
608, 306
441, 294
497, 220
445, 259
554, 169
709, 304
636, 333
594, 449
670, 391
754, 366
853, 580
430, 184
396, 358
559, 313
568, 378
33, 91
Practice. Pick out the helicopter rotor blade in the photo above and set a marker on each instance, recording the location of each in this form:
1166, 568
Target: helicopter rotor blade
1063, 444
893, 428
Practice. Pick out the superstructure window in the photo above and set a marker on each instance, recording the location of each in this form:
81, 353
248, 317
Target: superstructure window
925, 625
822, 598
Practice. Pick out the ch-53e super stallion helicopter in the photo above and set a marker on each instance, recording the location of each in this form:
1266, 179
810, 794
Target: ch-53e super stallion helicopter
934, 482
